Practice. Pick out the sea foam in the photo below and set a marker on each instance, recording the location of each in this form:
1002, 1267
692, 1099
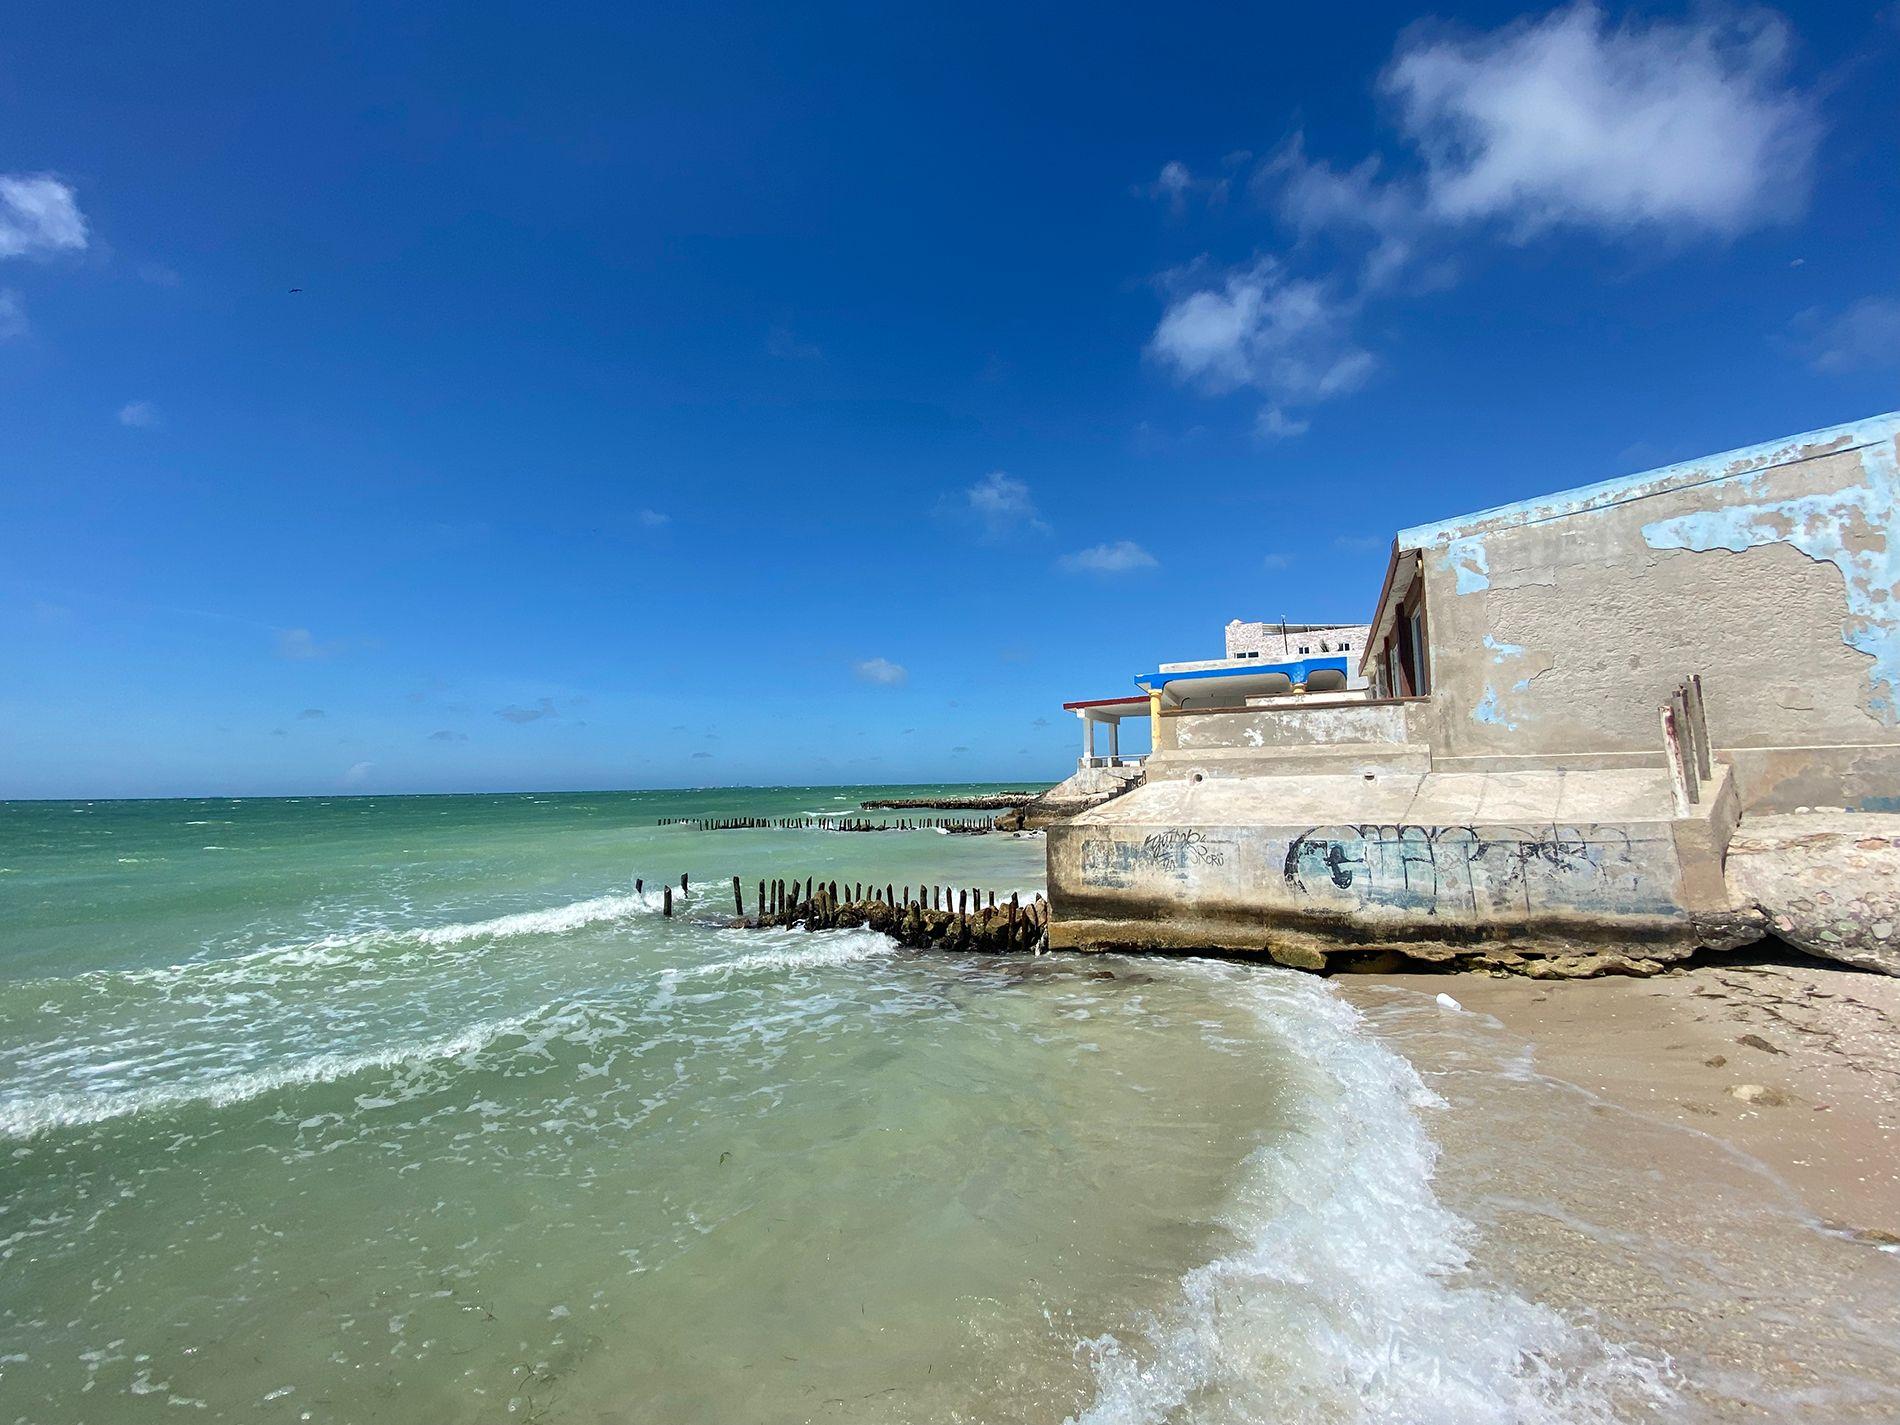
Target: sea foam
1352, 1295
27, 1117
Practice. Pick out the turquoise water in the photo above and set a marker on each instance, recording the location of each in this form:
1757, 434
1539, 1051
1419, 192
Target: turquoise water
413, 1109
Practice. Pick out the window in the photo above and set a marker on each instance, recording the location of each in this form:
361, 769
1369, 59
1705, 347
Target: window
1345, 645
1418, 654
1303, 648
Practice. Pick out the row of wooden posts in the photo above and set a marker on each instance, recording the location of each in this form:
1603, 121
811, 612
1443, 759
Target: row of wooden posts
936, 917
825, 823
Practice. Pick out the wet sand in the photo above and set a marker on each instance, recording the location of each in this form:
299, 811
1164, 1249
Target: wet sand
1701, 1164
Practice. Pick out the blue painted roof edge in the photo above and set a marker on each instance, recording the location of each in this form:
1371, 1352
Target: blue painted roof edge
1300, 665
1852, 435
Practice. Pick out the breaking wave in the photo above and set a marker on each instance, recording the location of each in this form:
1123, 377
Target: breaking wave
42, 1112
1351, 1295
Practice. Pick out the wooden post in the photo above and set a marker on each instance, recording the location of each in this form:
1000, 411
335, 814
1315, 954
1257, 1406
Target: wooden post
639, 886
761, 900
738, 901
682, 883
666, 906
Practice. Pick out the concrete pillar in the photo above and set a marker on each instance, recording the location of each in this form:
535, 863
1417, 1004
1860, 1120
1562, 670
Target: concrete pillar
1154, 719
1088, 738
1114, 739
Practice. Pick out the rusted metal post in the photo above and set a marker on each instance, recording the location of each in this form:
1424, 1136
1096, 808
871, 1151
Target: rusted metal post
1678, 768
1699, 729
1685, 739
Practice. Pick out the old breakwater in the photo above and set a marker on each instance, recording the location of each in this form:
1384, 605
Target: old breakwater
951, 918
963, 826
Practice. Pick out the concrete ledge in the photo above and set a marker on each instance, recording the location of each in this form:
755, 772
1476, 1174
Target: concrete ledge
1347, 759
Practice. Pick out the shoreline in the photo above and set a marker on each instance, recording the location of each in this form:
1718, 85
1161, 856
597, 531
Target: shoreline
1700, 1165
1821, 1039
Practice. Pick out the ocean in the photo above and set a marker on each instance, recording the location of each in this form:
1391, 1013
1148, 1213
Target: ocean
414, 1109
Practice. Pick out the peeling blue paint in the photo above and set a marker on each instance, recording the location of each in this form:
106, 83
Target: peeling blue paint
1820, 527
1855, 435
1488, 711
1473, 568
1501, 651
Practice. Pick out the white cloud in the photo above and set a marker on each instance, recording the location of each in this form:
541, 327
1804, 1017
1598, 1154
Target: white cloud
1290, 337
140, 415
1176, 183
1680, 129
1123, 556
1275, 424
300, 645
1314, 198
38, 214
1276, 561
358, 774
1865, 336
12, 315
653, 519
1004, 506
881, 670
1566, 119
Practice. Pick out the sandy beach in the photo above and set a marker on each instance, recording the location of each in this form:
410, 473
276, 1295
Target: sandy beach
1701, 1163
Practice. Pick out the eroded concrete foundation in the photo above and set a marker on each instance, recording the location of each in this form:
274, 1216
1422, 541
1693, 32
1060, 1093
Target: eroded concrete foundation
1499, 869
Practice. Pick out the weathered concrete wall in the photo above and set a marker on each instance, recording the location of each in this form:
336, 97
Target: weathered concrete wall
1312, 725
1559, 626
1441, 865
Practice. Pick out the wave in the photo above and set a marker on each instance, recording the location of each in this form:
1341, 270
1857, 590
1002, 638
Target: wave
1352, 1294
30, 1114
815, 950
556, 920
336, 948
43, 1112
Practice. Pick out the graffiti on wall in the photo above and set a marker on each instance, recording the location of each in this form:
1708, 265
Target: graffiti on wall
1454, 870
1171, 852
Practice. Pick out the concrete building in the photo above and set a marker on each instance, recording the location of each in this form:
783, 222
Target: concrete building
1525, 770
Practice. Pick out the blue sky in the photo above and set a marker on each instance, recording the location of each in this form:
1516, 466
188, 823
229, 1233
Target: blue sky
691, 395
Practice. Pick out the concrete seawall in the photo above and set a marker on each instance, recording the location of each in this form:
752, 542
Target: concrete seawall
1497, 869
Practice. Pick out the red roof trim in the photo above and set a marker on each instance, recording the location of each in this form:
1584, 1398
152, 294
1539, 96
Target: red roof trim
1105, 703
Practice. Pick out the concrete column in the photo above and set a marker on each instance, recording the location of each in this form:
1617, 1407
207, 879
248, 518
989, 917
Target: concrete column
1088, 737
1114, 739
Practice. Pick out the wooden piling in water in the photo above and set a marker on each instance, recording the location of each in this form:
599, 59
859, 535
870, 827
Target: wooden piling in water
666, 904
